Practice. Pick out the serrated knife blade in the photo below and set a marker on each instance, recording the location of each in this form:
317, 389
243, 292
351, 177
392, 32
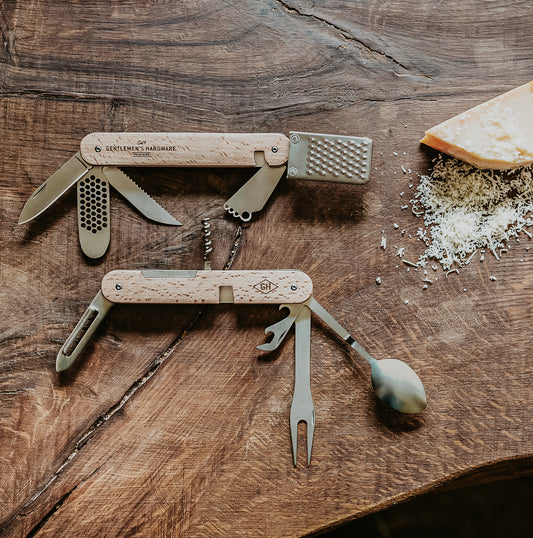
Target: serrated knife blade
54, 187
137, 197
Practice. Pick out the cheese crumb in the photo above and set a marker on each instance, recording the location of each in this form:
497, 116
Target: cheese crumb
466, 208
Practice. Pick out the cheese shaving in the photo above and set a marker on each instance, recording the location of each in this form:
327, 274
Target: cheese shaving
466, 209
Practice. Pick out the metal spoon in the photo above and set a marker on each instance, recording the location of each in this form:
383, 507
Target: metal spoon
393, 381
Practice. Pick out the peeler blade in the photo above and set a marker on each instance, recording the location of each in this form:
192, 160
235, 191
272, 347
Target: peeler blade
323, 157
83, 332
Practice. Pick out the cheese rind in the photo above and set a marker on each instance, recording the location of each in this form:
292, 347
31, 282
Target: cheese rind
495, 134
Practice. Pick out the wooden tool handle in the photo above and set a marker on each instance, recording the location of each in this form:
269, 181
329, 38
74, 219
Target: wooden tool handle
184, 149
212, 287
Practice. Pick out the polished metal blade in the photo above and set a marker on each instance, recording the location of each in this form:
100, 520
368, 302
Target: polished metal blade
254, 194
302, 407
137, 197
83, 331
54, 187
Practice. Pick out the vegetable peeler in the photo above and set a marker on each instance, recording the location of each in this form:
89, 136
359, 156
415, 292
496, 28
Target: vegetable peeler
394, 381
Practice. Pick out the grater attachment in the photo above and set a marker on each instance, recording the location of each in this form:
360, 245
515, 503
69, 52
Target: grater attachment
321, 157
93, 213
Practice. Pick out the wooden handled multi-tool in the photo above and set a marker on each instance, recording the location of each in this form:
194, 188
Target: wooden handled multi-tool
343, 159
393, 381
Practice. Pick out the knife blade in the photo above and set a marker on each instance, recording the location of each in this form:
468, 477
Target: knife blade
137, 197
54, 187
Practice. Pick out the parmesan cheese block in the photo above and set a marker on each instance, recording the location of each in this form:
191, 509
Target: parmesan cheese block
496, 134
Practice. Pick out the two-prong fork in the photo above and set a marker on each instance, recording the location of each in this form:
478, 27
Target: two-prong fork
302, 408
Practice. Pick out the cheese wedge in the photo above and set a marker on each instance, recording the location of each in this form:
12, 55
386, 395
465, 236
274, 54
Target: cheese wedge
496, 134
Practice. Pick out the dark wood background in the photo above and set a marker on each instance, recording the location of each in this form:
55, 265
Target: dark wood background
172, 423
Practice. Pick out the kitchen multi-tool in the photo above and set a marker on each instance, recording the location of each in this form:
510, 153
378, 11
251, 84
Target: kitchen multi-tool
94, 216
343, 159
393, 381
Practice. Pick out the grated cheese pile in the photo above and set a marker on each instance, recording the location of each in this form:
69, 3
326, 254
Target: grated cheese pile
466, 208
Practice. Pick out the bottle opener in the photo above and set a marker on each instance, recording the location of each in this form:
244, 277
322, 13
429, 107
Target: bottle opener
393, 381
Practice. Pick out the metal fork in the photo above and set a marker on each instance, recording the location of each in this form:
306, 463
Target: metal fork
302, 408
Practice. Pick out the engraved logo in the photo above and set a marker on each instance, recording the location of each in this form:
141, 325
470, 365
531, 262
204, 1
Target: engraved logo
265, 286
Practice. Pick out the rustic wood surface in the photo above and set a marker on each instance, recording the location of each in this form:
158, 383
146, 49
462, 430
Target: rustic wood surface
204, 287
172, 423
189, 149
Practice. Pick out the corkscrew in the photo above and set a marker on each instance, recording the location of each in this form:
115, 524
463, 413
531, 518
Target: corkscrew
208, 244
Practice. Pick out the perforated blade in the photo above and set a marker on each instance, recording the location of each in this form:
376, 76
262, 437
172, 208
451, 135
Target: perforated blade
322, 157
94, 213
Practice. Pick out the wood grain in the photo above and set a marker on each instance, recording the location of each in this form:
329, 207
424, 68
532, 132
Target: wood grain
247, 287
172, 424
184, 149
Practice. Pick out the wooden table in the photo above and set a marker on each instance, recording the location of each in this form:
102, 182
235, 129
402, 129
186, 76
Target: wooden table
172, 423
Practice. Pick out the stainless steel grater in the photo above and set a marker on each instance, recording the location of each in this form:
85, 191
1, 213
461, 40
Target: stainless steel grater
308, 156
311, 156
342, 159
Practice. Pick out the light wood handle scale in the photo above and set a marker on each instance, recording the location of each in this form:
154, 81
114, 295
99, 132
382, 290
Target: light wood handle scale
184, 149
212, 287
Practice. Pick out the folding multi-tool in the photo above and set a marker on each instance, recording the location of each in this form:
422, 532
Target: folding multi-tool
344, 159
393, 381
94, 215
